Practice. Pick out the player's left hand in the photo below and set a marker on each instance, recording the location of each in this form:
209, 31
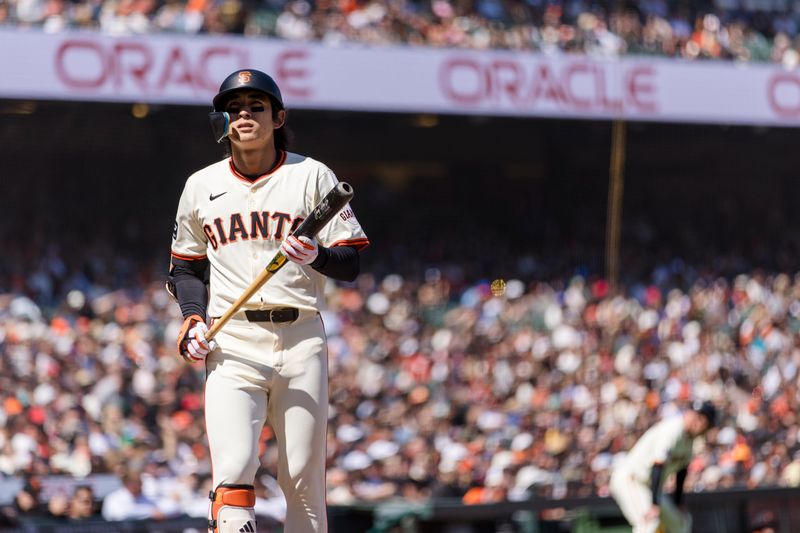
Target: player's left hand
301, 250
192, 343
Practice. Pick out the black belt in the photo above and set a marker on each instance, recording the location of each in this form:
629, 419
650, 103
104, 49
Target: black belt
279, 314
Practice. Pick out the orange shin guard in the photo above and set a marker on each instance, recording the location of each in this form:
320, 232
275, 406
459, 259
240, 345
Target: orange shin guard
232, 509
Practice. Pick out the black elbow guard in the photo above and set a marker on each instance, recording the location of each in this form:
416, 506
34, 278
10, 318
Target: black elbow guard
179, 268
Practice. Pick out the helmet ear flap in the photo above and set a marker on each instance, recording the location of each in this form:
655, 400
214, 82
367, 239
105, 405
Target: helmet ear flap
220, 124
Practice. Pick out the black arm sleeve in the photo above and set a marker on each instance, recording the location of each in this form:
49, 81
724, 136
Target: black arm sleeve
190, 279
680, 479
339, 262
655, 481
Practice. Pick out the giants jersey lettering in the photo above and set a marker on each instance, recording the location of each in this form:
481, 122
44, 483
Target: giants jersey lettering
667, 443
239, 226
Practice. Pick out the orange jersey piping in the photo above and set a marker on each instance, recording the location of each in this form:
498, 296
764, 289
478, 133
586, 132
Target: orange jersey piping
239, 175
188, 257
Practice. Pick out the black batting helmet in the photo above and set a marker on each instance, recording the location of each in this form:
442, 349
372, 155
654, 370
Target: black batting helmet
248, 79
708, 410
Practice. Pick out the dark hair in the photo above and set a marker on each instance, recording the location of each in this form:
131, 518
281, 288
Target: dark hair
283, 138
81, 487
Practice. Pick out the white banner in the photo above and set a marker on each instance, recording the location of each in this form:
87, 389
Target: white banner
179, 69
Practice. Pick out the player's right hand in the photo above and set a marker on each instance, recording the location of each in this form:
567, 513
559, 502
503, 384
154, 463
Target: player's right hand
301, 250
192, 343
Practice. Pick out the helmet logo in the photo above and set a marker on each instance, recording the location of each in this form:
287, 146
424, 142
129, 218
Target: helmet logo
244, 77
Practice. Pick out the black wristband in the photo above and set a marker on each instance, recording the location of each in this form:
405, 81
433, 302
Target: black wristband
322, 258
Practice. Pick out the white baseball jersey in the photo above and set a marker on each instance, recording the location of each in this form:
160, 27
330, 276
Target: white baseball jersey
667, 443
239, 225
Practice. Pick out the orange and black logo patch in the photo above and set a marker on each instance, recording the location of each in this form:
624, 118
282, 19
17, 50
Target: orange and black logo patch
244, 77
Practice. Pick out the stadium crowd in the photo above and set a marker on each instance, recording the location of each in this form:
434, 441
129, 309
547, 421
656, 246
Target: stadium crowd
751, 30
439, 388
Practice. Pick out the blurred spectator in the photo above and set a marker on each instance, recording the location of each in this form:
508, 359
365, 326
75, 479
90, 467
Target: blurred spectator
438, 387
723, 30
129, 503
29, 503
764, 522
81, 506
58, 505
28, 500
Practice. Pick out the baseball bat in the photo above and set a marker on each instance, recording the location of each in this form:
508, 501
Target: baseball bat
333, 202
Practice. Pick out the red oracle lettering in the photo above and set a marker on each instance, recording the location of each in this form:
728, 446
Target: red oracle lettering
572, 85
137, 71
86, 64
76, 49
546, 85
289, 74
573, 70
217, 54
463, 81
783, 95
640, 89
176, 60
507, 76
606, 102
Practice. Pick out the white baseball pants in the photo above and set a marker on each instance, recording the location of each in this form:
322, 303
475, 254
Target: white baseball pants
635, 499
277, 372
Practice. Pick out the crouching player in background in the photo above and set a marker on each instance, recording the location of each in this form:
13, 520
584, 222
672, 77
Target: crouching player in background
663, 450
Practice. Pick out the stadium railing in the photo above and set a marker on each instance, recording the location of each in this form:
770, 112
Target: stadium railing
729, 511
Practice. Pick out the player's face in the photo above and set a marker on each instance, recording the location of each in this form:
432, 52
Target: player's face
699, 425
252, 121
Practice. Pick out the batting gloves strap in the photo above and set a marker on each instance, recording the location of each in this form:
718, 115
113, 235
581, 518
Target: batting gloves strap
301, 250
192, 343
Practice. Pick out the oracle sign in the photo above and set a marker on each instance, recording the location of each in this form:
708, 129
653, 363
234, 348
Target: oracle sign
94, 65
88, 64
783, 93
579, 86
188, 70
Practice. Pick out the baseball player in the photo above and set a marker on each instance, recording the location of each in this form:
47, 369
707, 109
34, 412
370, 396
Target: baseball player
270, 361
663, 450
